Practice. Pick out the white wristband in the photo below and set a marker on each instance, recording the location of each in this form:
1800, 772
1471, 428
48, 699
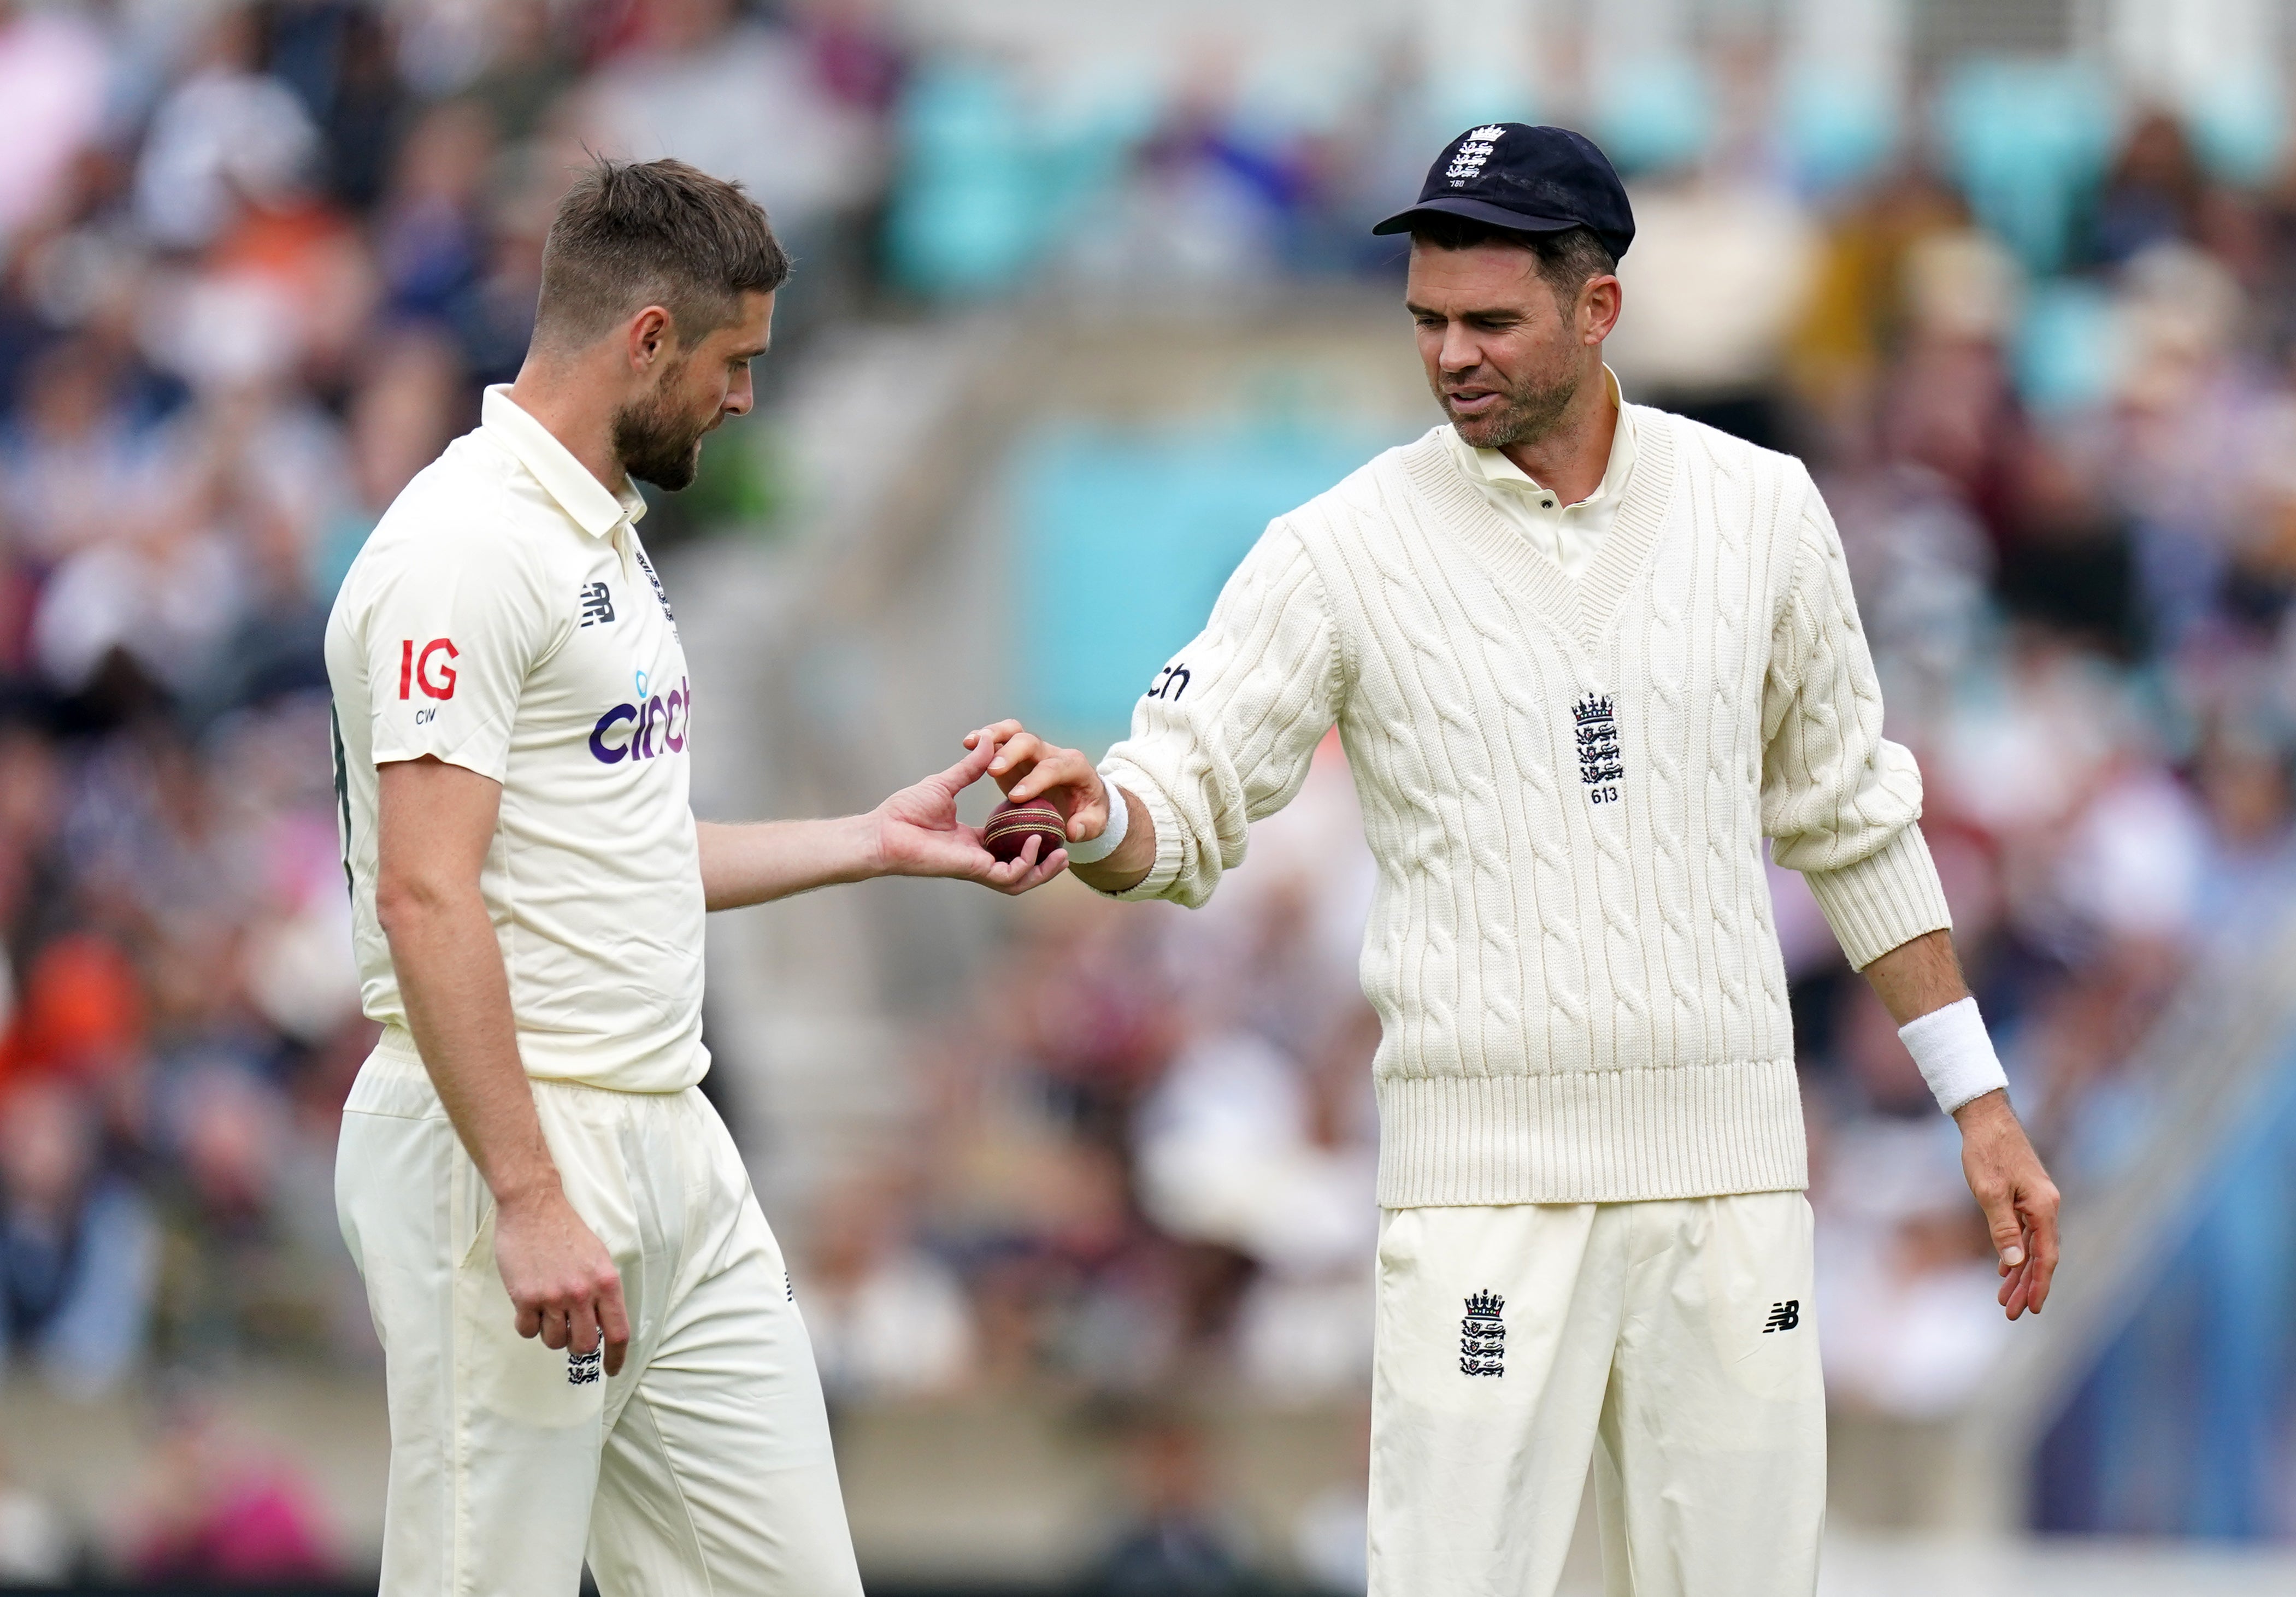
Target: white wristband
1955, 1053
1093, 850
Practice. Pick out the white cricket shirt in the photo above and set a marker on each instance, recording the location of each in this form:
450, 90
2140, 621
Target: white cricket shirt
504, 618
1566, 534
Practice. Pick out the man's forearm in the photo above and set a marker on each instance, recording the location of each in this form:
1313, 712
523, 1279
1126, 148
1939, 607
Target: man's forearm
1920, 977
457, 995
1133, 858
1917, 978
761, 861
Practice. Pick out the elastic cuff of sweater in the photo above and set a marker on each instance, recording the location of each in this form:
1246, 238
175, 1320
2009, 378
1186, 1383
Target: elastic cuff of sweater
1171, 850
1955, 1053
1890, 897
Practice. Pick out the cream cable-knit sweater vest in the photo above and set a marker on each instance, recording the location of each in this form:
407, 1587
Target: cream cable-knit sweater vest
1566, 786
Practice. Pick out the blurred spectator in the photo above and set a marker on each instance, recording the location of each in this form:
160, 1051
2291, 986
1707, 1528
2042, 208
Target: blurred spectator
2244, 785
77, 1246
55, 71
1330, 1539
36, 1545
754, 103
1238, 1148
76, 456
215, 1512
2069, 560
404, 412
337, 56
886, 1318
1906, 1281
1177, 1544
78, 1012
226, 135
526, 67
1208, 201
2153, 193
1717, 275
1852, 320
160, 600
431, 230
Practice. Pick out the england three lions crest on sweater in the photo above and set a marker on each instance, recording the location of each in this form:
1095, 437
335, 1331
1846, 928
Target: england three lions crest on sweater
1600, 767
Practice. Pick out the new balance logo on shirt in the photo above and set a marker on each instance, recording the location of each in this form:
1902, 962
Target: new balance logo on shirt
597, 604
1783, 1316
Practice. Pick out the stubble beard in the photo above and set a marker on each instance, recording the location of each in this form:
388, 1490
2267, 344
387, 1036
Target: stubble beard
655, 441
1529, 415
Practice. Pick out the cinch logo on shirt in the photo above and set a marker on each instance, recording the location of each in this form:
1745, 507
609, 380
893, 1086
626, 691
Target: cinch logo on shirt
417, 671
643, 730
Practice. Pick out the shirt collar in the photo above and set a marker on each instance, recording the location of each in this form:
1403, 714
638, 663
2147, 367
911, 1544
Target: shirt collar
1492, 466
581, 495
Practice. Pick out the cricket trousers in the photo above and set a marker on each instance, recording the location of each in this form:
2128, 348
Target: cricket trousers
1667, 1345
703, 1467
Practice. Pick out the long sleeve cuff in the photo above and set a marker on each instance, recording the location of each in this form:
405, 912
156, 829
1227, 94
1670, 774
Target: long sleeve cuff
1171, 846
1890, 897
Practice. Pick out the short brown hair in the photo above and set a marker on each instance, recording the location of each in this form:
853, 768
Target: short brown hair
1566, 258
633, 233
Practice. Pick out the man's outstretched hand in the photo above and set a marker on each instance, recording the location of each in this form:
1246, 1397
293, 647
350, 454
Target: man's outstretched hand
2019, 1199
918, 833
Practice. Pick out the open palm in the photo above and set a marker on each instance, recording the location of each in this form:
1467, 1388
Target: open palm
918, 833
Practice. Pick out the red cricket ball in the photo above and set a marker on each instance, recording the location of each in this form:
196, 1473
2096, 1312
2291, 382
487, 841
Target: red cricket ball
1011, 826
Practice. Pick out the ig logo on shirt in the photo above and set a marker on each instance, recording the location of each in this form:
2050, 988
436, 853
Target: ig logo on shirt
426, 670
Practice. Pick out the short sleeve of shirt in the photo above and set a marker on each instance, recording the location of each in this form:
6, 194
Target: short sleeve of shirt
452, 624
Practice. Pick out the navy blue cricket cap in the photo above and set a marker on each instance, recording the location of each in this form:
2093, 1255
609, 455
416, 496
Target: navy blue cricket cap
1525, 179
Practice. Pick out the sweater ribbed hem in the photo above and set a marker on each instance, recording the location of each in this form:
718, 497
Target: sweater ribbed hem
1591, 1136
1890, 897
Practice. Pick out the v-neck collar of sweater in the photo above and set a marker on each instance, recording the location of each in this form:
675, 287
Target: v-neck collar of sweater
1584, 609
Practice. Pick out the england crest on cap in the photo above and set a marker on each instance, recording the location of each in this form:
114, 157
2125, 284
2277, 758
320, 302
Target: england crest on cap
1520, 178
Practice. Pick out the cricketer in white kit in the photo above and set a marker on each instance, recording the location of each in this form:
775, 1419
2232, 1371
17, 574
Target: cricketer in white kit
592, 1349
1587, 659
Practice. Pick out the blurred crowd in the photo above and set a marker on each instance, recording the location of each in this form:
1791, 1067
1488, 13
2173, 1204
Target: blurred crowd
256, 260
255, 263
